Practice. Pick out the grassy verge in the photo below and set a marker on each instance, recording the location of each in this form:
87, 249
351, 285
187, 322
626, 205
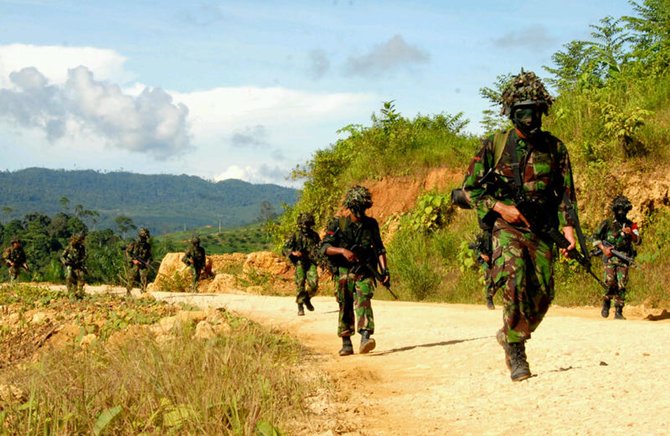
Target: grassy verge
243, 381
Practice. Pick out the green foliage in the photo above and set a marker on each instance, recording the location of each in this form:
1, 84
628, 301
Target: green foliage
432, 212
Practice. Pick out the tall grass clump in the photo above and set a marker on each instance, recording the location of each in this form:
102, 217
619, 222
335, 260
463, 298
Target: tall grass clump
241, 383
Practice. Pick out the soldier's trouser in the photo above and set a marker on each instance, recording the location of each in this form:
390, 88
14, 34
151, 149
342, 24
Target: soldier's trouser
489, 286
523, 270
14, 273
135, 272
74, 280
616, 278
354, 295
306, 281
196, 272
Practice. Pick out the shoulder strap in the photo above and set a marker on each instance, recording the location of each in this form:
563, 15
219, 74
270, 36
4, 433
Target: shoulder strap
499, 142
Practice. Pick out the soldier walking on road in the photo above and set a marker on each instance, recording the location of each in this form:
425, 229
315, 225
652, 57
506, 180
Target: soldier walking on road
196, 259
73, 258
524, 169
15, 258
140, 258
302, 249
357, 252
613, 237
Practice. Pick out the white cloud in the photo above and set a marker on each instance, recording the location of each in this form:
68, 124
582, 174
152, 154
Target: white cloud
55, 61
149, 122
383, 58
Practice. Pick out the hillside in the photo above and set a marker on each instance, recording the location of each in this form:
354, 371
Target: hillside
163, 203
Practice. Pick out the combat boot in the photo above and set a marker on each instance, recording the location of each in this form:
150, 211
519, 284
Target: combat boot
367, 343
502, 340
347, 347
605, 311
489, 302
618, 312
308, 304
517, 356
301, 310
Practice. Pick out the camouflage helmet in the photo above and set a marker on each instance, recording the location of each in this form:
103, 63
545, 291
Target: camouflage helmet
305, 219
358, 197
621, 202
195, 240
15, 240
525, 89
143, 232
77, 238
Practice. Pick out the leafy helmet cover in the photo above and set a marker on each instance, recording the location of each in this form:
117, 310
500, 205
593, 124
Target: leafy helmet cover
306, 219
358, 197
621, 202
525, 89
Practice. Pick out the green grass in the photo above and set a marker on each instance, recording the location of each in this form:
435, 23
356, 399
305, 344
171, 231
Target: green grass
242, 382
239, 240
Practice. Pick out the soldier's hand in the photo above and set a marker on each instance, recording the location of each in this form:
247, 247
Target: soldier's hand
296, 253
607, 251
569, 233
510, 213
386, 278
349, 255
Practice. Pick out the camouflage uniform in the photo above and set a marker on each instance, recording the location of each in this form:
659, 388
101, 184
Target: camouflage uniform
73, 258
483, 247
612, 232
355, 280
15, 258
522, 263
306, 242
195, 257
139, 253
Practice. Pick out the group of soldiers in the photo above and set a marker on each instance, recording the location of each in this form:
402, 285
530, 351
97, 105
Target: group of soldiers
356, 258
138, 258
520, 184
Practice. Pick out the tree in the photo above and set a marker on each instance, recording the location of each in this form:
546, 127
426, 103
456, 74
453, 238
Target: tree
124, 224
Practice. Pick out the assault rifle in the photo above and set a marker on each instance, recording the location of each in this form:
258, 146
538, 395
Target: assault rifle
538, 214
616, 253
363, 263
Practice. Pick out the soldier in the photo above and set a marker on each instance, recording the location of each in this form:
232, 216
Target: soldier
483, 249
356, 250
302, 249
15, 258
139, 253
616, 236
73, 258
525, 169
196, 259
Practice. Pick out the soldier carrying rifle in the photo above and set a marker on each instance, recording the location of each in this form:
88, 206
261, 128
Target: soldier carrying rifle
302, 249
615, 238
139, 257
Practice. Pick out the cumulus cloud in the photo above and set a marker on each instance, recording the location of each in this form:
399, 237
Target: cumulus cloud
319, 64
55, 61
393, 54
532, 37
149, 122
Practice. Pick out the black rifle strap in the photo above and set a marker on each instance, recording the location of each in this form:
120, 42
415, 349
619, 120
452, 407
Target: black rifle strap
570, 208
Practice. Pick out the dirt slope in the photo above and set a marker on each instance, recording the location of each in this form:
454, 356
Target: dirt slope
437, 369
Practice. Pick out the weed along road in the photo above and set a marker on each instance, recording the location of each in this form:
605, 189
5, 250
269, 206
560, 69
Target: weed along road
438, 369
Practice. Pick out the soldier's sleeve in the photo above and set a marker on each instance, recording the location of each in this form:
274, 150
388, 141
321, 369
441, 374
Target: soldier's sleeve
330, 239
187, 256
636, 230
600, 233
377, 238
567, 190
474, 185
289, 245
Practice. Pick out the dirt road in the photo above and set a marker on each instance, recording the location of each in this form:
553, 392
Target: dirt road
438, 369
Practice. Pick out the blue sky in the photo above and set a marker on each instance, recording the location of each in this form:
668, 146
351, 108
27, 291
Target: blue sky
250, 89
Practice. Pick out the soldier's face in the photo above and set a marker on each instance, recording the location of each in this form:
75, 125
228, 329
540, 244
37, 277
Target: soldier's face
527, 118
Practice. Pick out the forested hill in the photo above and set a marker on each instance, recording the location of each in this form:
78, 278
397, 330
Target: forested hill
161, 202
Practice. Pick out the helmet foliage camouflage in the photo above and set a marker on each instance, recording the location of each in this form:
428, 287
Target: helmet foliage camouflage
525, 89
77, 238
195, 240
143, 232
306, 219
358, 197
621, 202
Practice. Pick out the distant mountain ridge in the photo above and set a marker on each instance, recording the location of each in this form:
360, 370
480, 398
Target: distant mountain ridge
164, 203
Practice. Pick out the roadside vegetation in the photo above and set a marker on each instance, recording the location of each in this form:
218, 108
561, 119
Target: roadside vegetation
115, 375
613, 112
